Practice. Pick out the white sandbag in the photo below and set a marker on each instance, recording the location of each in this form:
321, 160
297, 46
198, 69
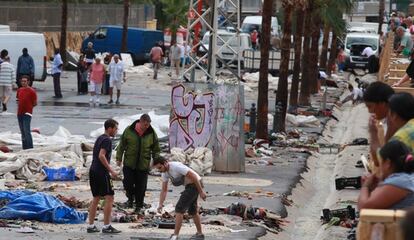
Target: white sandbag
302, 121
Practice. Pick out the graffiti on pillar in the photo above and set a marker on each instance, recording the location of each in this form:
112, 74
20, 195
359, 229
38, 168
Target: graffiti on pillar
228, 119
191, 124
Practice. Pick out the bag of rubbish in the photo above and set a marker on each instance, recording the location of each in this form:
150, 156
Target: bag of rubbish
60, 174
39, 206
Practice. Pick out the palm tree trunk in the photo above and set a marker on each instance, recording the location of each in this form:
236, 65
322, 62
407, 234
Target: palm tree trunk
325, 43
314, 53
282, 86
124, 43
304, 96
63, 31
381, 15
294, 88
262, 101
332, 53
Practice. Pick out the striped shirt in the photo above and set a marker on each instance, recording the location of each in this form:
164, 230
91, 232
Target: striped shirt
7, 74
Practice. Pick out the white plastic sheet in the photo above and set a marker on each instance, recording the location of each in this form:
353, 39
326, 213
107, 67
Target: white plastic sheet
160, 124
302, 121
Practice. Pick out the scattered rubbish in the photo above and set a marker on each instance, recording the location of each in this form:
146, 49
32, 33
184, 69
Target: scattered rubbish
60, 174
265, 151
5, 149
341, 183
250, 152
222, 220
359, 141
365, 163
73, 202
42, 207
237, 230
258, 143
341, 214
166, 223
246, 212
25, 230
302, 121
286, 201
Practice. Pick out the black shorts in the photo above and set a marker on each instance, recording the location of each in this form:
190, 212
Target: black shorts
101, 184
188, 200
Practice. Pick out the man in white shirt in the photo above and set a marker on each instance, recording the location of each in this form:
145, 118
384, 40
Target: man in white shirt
117, 74
180, 174
356, 95
367, 52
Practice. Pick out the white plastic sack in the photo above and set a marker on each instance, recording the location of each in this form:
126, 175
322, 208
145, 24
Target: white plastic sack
302, 121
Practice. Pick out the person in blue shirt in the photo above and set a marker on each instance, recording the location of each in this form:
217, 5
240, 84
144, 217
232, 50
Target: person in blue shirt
25, 66
393, 186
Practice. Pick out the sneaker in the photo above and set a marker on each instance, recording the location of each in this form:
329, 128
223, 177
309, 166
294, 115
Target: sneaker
110, 229
197, 236
110, 101
4, 107
93, 229
173, 237
117, 102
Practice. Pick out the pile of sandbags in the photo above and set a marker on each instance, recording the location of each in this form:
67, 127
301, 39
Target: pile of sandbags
199, 159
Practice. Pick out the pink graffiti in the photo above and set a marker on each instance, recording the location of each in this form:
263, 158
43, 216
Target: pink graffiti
192, 124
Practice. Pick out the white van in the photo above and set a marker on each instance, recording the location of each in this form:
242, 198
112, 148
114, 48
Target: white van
355, 43
251, 23
226, 53
4, 28
14, 42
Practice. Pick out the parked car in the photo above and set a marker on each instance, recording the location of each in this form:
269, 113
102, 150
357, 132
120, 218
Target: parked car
226, 53
355, 43
14, 42
108, 38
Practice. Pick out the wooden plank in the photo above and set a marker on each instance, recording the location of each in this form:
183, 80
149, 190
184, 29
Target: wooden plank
385, 57
404, 89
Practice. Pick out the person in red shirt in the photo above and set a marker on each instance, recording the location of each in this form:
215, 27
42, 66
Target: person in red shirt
254, 37
27, 99
156, 57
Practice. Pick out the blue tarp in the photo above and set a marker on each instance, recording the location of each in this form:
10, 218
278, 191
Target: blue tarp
39, 206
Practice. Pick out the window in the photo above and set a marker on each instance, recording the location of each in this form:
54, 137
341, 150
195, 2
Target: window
101, 33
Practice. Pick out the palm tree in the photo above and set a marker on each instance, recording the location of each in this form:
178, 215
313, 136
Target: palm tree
262, 101
381, 15
124, 43
332, 53
63, 31
176, 14
325, 44
304, 96
282, 86
314, 53
294, 89
331, 13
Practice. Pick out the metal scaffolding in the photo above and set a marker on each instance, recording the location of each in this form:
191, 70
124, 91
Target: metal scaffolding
213, 15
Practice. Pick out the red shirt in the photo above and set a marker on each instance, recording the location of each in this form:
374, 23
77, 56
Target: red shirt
27, 99
97, 73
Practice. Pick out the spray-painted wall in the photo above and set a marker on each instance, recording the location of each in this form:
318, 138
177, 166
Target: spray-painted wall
206, 115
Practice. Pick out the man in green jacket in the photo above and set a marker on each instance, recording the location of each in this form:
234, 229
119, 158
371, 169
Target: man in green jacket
137, 145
